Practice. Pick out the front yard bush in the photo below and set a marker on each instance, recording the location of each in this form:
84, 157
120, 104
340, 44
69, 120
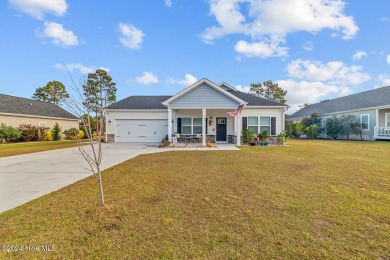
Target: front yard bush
247, 136
333, 127
296, 129
8, 133
312, 131
29, 132
71, 133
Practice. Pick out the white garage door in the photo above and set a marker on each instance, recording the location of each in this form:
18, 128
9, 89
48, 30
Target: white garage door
138, 131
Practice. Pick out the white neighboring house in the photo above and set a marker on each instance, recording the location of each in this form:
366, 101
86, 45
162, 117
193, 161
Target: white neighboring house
371, 107
200, 109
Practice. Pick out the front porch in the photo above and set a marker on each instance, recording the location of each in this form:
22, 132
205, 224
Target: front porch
200, 126
382, 128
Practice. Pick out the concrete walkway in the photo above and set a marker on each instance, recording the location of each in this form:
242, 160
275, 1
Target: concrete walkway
29, 176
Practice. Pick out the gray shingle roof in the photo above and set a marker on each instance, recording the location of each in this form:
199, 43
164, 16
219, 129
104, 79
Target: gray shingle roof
154, 102
25, 106
140, 102
254, 100
372, 98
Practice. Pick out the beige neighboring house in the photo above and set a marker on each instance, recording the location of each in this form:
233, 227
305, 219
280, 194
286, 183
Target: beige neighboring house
15, 111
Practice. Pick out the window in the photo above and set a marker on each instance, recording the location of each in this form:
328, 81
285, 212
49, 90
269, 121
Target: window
259, 124
388, 120
265, 124
191, 125
197, 125
253, 124
365, 122
42, 124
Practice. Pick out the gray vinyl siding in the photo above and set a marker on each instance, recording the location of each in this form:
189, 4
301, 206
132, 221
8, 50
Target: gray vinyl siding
202, 97
368, 134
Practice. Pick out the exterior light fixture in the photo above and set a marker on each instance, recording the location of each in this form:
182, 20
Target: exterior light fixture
211, 122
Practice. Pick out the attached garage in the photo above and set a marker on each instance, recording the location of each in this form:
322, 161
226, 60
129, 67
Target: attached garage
140, 130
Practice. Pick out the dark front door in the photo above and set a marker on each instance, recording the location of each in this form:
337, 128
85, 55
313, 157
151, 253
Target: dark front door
221, 129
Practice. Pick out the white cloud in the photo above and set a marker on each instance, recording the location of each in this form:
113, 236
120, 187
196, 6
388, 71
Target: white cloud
131, 37
260, 49
271, 21
359, 55
80, 67
187, 81
308, 46
388, 59
299, 92
242, 89
58, 34
38, 8
384, 19
384, 80
168, 3
147, 78
334, 72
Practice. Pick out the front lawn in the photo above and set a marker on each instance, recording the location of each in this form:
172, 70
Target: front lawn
11, 149
313, 199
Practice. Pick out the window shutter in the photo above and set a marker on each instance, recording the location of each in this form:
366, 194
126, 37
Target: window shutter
273, 125
179, 125
206, 124
244, 123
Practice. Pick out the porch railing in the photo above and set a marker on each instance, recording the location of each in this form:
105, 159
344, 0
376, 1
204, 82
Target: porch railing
382, 131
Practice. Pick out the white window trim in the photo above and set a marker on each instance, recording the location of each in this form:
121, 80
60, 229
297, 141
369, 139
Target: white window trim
386, 121
43, 123
259, 124
192, 125
368, 121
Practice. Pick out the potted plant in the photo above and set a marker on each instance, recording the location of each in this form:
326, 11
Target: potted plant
264, 138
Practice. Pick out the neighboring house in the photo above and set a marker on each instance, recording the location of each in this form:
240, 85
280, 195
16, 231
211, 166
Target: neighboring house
199, 110
371, 107
15, 111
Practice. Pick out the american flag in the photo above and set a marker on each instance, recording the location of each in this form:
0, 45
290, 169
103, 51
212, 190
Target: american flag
237, 112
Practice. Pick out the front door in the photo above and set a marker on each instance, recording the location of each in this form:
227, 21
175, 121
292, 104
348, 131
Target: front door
221, 129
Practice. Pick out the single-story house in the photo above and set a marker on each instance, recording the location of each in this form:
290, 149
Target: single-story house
15, 111
371, 107
199, 110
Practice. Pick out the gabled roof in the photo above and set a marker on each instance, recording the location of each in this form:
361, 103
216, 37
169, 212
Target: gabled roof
255, 100
199, 83
369, 99
140, 102
25, 106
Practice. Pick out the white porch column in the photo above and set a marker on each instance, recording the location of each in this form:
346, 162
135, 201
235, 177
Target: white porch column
237, 130
204, 134
170, 125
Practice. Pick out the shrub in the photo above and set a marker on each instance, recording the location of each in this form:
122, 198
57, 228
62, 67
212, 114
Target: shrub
247, 136
28, 132
49, 136
263, 136
81, 134
296, 129
8, 133
282, 137
312, 131
71, 133
333, 127
164, 142
42, 133
56, 132
313, 119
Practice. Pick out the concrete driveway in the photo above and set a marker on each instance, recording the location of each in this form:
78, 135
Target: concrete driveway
26, 177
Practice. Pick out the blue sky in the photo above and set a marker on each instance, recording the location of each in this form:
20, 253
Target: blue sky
315, 49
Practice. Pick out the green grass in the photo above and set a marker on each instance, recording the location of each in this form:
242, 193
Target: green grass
312, 199
11, 149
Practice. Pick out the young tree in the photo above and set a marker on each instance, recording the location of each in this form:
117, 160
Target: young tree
333, 127
269, 90
56, 132
347, 123
53, 92
97, 93
312, 119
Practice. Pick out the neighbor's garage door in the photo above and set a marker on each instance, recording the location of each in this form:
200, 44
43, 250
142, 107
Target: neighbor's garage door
152, 130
